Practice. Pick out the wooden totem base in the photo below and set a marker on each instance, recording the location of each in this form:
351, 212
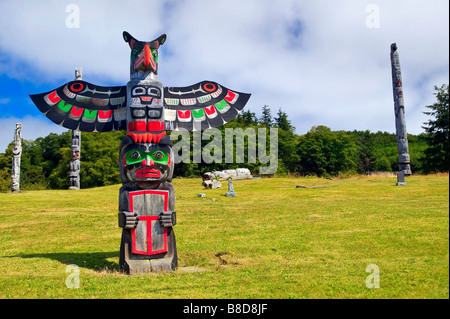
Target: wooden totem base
148, 247
401, 179
131, 263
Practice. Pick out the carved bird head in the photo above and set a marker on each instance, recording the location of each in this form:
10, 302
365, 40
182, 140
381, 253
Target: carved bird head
144, 55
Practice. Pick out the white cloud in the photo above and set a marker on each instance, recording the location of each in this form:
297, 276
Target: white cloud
317, 60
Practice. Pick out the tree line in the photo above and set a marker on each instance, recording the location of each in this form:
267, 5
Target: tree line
320, 152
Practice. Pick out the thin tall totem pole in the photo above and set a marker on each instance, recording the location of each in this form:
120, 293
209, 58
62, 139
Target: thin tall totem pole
17, 153
400, 124
145, 109
75, 148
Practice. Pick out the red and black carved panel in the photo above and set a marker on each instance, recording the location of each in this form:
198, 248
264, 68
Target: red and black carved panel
201, 106
79, 105
149, 238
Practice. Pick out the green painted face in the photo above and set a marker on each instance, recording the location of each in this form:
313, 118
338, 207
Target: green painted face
136, 156
144, 162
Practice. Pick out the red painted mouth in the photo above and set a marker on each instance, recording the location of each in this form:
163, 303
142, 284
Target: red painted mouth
148, 172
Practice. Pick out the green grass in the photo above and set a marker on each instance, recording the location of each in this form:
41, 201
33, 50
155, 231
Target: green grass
273, 241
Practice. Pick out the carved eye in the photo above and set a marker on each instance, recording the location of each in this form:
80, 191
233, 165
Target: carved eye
158, 155
136, 51
138, 91
154, 114
153, 91
135, 155
155, 55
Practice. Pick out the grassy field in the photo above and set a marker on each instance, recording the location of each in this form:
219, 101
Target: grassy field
273, 241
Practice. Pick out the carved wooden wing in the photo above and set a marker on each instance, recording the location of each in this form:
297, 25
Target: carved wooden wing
79, 105
201, 106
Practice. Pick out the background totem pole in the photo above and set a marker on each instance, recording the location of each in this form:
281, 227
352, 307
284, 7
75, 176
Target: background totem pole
75, 149
17, 152
400, 125
145, 109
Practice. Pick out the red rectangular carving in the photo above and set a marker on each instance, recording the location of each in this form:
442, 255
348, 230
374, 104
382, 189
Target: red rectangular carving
148, 220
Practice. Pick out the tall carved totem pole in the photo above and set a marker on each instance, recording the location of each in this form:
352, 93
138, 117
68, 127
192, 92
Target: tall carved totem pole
145, 109
75, 164
17, 153
400, 124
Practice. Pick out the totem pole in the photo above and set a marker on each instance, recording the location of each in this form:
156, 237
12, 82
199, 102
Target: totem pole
400, 125
145, 109
147, 198
17, 152
75, 149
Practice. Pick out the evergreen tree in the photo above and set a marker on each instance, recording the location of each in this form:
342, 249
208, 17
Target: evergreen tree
266, 117
282, 121
249, 118
437, 129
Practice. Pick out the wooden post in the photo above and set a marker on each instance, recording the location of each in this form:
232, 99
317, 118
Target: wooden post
75, 160
17, 152
400, 125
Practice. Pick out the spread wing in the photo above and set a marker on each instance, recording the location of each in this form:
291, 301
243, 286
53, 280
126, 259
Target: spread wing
79, 105
201, 106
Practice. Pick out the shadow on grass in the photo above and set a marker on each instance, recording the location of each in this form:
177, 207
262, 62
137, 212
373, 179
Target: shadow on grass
96, 261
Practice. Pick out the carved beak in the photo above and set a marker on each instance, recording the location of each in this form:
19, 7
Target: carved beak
145, 60
147, 55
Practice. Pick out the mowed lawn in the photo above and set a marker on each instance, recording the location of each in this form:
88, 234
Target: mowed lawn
273, 241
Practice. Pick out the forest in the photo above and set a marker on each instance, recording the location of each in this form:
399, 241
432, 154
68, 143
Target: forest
320, 152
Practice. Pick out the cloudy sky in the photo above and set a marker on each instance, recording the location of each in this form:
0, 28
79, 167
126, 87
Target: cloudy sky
323, 62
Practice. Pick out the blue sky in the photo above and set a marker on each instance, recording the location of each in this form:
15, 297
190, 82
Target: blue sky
323, 62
